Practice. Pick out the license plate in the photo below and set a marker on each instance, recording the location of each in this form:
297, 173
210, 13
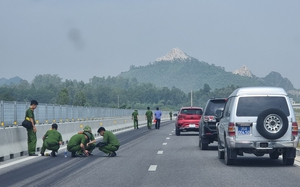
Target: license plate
192, 125
243, 131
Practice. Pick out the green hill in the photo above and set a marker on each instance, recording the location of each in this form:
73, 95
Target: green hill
192, 74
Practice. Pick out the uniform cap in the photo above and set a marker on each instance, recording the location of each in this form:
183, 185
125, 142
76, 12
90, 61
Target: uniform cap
87, 128
88, 135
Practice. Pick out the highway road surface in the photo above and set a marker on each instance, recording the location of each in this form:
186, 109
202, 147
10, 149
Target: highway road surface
149, 158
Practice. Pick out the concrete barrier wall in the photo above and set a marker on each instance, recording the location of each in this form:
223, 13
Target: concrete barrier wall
13, 140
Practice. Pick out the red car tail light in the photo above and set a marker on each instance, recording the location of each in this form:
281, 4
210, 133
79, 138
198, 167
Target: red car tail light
295, 129
180, 117
231, 129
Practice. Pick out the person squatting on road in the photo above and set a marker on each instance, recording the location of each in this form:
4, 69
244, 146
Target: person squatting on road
135, 116
110, 143
51, 140
149, 117
31, 132
157, 115
90, 146
78, 143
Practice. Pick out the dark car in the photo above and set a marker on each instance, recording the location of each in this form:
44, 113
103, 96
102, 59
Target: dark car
208, 130
188, 119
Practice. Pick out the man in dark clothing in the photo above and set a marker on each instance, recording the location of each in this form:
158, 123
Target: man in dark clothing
157, 116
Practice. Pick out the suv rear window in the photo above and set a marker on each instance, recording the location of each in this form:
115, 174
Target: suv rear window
191, 111
214, 105
253, 106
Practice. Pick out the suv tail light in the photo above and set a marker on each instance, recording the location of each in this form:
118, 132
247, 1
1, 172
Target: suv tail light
209, 119
295, 129
231, 129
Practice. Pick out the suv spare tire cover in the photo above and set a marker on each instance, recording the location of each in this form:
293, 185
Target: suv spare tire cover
272, 123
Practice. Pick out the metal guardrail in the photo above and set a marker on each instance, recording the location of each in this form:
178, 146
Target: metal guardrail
13, 113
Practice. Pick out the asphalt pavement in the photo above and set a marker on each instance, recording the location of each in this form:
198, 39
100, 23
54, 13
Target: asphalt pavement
150, 158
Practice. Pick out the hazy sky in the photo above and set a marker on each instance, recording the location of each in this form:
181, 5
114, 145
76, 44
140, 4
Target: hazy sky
81, 39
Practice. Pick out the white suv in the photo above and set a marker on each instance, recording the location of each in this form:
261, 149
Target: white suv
257, 120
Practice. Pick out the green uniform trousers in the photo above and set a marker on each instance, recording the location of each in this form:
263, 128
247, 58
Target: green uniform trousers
90, 148
73, 148
109, 148
48, 144
149, 123
135, 124
31, 141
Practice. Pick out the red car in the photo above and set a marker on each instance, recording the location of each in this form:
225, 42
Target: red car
188, 119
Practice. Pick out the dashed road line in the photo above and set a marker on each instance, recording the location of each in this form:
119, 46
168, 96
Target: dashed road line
164, 143
160, 152
152, 168
168, 138
170, 134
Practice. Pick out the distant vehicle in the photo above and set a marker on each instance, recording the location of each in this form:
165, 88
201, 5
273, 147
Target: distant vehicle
175, 116
257, 120
188, 119
207, 129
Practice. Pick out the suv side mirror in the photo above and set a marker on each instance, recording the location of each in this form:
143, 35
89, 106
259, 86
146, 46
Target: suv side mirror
218, 114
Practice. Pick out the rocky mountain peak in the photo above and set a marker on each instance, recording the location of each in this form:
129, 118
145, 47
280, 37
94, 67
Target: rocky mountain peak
243, 71
174, 54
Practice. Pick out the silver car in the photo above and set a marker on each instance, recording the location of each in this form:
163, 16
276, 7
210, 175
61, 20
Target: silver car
257, 120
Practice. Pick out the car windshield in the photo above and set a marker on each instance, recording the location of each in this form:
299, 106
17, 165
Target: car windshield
253, 106
212, 106
191, 111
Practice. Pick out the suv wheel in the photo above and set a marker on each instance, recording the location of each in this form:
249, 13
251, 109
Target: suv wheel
287, 159
177, 131
274, 155
220, 150
228, 153
203, 146
272, 123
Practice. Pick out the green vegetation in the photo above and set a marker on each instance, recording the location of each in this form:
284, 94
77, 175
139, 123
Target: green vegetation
111, 92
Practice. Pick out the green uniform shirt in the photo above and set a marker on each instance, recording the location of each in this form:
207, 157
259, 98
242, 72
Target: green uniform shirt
110, 138
149, 114
30, 114
53, 136
77, 139
135, 114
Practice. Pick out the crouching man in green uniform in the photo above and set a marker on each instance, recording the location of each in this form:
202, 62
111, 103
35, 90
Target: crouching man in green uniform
110, 143
78, 142
90, 146
52, 140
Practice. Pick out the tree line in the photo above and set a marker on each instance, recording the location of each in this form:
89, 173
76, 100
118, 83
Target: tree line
112, 92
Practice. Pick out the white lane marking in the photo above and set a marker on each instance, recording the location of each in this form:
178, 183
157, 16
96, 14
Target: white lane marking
152, 168
170, 134
160, 152
17, 161
168, 138
164, 143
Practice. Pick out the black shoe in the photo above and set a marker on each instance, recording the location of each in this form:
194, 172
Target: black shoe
73, 155
53, 154
42, 154
113, 154
90, 154
33, 154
